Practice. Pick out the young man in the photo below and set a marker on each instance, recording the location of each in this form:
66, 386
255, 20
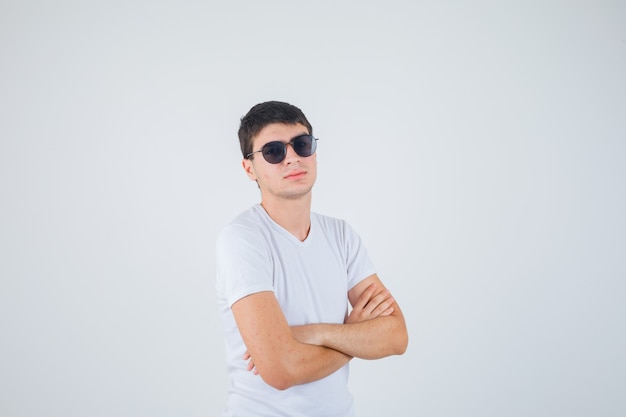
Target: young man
285, 276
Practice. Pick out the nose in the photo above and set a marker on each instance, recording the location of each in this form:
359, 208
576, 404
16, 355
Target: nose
290, 153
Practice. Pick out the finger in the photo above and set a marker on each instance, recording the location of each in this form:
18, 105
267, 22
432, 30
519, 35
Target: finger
382, 307
386, 312
365, 297
381, 297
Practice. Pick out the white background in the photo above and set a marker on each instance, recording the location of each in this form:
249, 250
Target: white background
477, 147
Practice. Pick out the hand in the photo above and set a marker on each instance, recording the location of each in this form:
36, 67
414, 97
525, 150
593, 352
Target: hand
371, 304
251, 367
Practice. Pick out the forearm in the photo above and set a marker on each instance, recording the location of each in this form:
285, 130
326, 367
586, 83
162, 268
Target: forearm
308, 363
295, 363
372, 339
273, 351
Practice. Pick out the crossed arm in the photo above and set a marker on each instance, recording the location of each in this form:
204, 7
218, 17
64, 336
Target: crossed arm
285, 356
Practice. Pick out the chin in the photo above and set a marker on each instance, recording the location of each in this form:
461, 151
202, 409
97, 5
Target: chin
296, 194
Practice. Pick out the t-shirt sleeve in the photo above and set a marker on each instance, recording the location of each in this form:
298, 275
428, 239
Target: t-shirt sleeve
359, 265
244, 265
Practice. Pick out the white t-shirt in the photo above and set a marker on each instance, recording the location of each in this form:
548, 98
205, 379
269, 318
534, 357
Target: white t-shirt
311, 280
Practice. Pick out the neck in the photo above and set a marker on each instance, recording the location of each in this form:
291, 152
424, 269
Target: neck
293, 215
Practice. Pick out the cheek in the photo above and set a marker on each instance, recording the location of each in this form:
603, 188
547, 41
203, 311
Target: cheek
266, 175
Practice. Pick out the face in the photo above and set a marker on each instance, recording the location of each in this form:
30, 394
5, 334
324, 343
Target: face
293, 177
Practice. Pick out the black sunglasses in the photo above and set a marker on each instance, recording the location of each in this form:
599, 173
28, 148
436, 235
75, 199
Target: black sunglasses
274, 152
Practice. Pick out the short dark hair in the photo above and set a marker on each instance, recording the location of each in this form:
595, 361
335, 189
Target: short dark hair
264, 114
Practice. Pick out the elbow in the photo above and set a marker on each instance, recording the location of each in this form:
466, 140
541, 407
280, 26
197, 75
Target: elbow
278, 377
401, 348
402, 343
280, 383
279, 370
397, 345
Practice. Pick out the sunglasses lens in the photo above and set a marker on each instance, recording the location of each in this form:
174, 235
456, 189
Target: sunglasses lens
304, 145
273, 152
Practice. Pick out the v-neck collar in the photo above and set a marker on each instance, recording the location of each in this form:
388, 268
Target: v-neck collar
284, 231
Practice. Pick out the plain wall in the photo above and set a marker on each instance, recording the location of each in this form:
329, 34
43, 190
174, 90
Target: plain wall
477, 147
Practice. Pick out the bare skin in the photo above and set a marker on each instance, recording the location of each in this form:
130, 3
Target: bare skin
374, 302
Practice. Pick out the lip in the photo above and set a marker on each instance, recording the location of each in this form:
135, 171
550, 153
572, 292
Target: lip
294, 175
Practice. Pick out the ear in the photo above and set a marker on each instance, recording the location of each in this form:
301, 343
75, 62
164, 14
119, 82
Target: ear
249, 168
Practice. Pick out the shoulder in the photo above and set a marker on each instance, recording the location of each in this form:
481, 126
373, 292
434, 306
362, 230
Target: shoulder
247, 226
327, 221
333, 225
251, 217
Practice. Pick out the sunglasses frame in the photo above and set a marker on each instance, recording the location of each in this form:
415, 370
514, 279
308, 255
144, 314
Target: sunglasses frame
284, 153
